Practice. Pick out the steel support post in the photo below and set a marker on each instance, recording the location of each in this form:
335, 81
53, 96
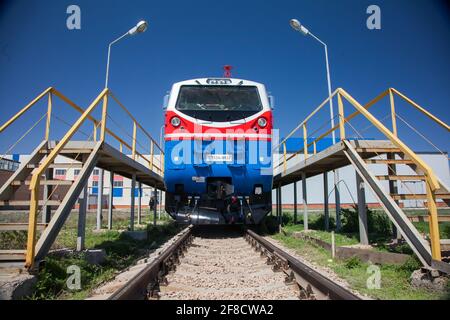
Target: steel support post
337, 198
155, 191
82, 219
305, 202
280, 217
393, 189
47, 210
276, 203
100, 199
295, 202
139, 203
362, 212
160, 205
111, 200
133, 188
326, 210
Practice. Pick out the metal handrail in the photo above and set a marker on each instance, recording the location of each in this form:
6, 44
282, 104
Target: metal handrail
432, 182
389, 92
85, 114
421, 109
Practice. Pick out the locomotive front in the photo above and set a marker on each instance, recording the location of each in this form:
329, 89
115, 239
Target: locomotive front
218, 157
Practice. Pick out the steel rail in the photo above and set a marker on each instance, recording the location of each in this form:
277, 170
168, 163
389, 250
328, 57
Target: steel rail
327, 287
136, 288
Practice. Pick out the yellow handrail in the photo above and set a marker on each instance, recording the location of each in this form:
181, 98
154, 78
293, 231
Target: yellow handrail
24, 109
421, 109
395, 140
389, 91
85, 114
431, 181
35, 179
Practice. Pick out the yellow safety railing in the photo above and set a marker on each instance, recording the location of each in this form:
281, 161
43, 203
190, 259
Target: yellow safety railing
432, 183
104, 131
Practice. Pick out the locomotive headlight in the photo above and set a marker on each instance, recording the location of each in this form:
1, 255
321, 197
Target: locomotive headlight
262, 122
175, 121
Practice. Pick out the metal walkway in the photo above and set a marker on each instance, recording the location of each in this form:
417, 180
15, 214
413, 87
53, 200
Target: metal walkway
362, 154
95, 152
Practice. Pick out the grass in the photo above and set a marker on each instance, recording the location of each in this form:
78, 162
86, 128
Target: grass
340, 239
394, 278
121, 252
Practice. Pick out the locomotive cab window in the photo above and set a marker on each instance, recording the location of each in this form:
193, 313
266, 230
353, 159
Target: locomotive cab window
219, 103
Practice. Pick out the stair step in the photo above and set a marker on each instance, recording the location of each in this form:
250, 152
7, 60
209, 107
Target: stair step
20, 226
401, 177
81, 150
12, 255
379, 150
26, 203
58, 166
389, 161
44, 182
418, 196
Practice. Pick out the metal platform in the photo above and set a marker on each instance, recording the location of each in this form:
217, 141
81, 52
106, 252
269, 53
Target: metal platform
330, 159
112, 160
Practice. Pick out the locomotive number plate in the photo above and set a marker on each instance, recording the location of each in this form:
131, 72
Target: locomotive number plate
219, 157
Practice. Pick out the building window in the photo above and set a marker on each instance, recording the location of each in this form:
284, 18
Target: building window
95, 183
118, 184
60, 172
96, 171
76, 172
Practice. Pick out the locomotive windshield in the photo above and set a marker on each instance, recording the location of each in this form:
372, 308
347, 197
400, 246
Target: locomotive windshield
219, 103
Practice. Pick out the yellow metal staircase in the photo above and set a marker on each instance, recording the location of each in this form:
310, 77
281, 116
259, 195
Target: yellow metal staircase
85, 155
362, 154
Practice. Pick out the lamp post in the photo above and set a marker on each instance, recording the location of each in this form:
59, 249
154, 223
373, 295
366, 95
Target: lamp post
297, 26
140, 27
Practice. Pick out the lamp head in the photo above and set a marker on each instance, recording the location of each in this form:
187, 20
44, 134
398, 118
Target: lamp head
297, 26
139, 28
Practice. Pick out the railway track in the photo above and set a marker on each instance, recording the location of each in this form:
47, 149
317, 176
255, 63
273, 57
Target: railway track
226, 264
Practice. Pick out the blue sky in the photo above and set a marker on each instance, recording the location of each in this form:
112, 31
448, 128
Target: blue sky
189, 39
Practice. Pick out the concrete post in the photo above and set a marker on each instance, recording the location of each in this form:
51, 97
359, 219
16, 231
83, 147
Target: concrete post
154, 207
100, 198
47, 210
337, 197
133, 187
362, 213
111, 200
326, 210
139, 203
305, 202
393, 189
82, 219
295, 202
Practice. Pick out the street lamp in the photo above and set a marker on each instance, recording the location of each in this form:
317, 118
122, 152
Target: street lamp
297, 26
140, 27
